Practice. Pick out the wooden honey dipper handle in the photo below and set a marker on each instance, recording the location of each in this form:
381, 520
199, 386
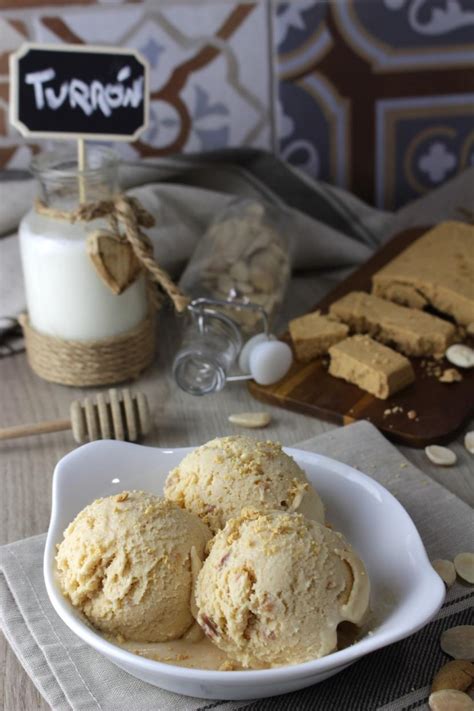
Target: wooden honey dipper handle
122, 415
36, 428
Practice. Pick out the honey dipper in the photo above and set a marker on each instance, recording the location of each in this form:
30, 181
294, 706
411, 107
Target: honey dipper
123, 415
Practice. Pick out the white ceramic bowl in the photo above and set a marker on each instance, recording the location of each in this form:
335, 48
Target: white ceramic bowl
406, 592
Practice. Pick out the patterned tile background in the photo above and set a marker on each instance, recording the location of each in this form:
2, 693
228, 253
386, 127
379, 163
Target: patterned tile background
374, 95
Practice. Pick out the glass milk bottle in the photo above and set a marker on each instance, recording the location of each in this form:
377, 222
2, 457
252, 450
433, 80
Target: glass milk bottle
65, 296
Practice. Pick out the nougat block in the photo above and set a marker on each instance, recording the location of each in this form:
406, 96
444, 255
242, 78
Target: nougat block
414, 332
436, 270
313, 334
375, 368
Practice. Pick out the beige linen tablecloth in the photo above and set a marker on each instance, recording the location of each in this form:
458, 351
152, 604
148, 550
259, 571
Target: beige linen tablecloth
73, 677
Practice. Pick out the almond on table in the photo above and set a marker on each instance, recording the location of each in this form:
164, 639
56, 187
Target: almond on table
442, 456
464, 564
253, 420
469, 442
446, 570
457, 674
450, 700
458, 642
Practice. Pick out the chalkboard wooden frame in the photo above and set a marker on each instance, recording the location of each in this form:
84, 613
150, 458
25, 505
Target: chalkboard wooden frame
73, 48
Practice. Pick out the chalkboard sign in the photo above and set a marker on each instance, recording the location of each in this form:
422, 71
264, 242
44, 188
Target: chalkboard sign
70, 91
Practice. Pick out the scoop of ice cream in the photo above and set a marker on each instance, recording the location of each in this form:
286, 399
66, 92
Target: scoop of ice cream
125, 561
216, 481
276, 585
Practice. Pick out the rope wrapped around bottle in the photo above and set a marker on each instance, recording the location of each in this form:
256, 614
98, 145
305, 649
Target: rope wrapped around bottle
116, 358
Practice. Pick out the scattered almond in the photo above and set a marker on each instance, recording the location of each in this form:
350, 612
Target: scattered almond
411, 414
469, 441
450, 375
450, 700
458, 674
458, 642
446, 570
464, 565
442, 456
253, 420
460, 355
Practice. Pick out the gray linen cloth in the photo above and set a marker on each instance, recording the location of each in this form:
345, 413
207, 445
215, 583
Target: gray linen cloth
72, 677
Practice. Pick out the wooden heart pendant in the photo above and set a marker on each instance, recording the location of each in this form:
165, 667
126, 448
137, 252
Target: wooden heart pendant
113, 260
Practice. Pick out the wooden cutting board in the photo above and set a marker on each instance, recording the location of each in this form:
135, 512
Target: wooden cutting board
441, 408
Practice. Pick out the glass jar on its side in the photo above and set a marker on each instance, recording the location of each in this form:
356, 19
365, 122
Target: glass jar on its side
243, 256
210, 346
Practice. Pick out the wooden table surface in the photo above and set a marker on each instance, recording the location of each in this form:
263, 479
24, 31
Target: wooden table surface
26, 465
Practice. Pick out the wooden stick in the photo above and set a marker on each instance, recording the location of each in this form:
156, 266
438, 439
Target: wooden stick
81, 164
38, 428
